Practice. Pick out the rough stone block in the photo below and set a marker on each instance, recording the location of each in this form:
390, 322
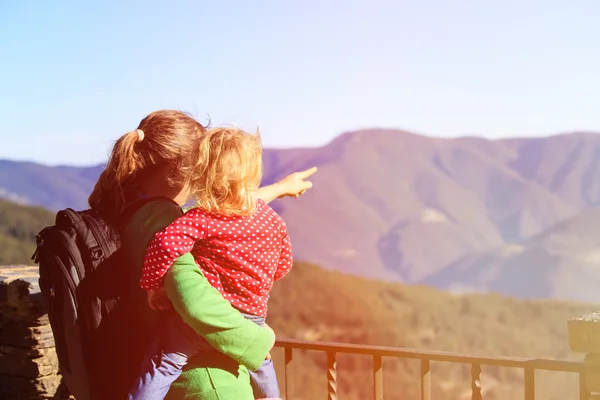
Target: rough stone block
25, 363
28, 361
19, 303
20, 335
17, 388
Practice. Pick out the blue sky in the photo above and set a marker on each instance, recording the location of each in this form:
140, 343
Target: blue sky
75, 75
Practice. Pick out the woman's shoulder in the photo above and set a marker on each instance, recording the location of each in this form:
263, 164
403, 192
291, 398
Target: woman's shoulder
155, 212
142, 225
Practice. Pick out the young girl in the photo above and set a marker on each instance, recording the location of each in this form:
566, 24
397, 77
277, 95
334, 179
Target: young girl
239, 242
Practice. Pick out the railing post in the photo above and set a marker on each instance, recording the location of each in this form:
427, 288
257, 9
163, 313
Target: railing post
475, 382
289, 374
529, 376
378, 377
584, 394
331, 376
584, 334
425, 379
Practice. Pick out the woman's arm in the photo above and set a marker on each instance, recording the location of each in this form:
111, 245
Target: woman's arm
293, 185
199, 304
203, 308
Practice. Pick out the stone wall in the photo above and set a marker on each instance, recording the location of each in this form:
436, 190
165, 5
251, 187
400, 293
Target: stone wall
28, 362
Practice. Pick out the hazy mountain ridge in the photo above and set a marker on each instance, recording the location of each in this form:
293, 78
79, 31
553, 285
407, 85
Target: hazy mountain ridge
52, 187
399, 206
429, 202
561, 262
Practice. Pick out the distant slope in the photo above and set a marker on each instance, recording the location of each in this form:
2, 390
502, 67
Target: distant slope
561, 262
394, 205
566, 165
315, 304
18, 227
52, 187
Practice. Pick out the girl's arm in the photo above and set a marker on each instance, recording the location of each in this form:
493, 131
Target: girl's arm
203, 308
293, 185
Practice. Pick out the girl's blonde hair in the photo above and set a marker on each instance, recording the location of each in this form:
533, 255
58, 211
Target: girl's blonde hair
164, 138
229, 171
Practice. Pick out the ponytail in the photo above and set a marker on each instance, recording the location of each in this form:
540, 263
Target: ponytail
109, 195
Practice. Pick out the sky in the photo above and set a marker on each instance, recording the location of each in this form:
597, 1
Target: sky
75, 75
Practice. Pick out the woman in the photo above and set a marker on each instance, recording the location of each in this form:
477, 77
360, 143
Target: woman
156, 162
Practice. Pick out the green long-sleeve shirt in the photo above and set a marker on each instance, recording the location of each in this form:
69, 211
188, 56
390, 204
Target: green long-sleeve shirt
242, 344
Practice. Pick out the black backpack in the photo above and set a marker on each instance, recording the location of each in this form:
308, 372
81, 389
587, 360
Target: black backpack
89, 292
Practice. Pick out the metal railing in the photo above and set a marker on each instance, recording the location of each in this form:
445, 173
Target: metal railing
528, 365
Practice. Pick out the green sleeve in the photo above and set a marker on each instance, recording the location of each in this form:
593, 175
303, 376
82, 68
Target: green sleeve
203, 308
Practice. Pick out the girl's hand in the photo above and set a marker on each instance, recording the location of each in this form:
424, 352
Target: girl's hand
158, 300
295, 185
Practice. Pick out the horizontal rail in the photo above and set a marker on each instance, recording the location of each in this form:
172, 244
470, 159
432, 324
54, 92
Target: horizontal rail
399, 352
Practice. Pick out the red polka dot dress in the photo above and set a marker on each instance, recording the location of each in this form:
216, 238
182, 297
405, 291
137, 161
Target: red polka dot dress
240, 256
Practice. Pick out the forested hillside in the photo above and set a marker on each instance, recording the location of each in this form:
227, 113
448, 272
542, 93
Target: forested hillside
18, 226
315, 304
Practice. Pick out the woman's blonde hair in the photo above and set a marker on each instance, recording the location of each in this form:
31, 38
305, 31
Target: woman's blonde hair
164, 140
229, 171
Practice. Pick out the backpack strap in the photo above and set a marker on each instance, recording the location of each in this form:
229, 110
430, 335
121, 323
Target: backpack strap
69, 218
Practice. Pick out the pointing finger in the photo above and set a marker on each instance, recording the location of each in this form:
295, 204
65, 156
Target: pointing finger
306, 173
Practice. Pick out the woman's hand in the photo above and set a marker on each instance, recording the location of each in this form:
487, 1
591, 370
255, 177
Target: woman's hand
295, 185
268, 357
158, 300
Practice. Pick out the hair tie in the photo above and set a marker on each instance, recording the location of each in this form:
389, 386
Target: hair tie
140, 134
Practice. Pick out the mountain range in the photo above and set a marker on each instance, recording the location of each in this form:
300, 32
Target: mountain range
515, 216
